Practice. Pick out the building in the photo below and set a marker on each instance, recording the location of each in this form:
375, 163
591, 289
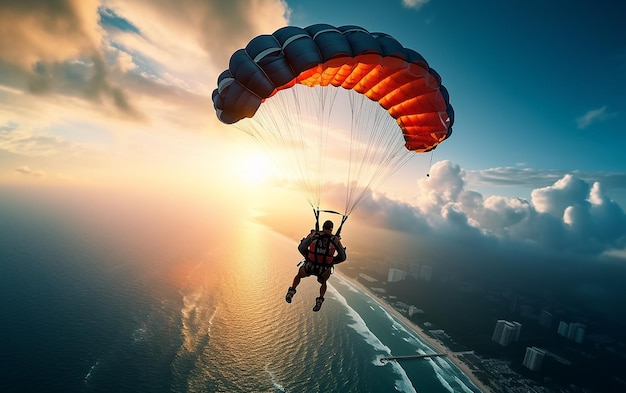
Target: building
396, 275
517, 329
506, 332
574, 331
533, 358
426, 273
545, 319
497, 331
562, 330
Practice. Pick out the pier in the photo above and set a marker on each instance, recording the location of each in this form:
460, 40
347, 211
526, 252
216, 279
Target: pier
422, 356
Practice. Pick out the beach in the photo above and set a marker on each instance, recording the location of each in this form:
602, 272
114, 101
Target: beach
436, 345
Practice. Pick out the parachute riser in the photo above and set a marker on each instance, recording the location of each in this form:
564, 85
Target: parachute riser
316, 212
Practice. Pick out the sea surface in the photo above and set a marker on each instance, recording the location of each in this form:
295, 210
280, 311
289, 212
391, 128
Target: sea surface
90, 305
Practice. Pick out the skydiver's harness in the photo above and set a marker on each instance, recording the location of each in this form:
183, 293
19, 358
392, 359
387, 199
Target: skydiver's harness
322, 249
320, 256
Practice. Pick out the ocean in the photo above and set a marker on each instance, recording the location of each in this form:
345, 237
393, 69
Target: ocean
100, 305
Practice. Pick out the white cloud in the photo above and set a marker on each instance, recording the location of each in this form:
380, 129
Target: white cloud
570, 217
537, 178
124, 72
594, 116
415, 4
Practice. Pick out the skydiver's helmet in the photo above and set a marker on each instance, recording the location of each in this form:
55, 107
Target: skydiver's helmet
328, 225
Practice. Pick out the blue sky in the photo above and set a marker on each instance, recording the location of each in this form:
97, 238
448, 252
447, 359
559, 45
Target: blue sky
537, 87
121, 97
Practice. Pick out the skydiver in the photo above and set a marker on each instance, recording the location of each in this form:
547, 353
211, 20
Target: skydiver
321, 250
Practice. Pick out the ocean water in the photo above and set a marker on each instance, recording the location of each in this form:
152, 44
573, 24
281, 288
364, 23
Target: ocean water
115, 309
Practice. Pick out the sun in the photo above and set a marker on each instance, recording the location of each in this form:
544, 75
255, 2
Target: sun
254, 169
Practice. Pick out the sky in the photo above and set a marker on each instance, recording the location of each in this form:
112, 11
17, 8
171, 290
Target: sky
116, 95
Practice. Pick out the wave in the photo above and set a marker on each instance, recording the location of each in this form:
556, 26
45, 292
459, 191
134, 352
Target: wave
404, 383
278, 388
90, 372
446, 373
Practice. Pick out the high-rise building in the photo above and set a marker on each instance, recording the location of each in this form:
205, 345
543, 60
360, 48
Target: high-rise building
545, 319
497, 331
396, 275
517, 329
506, 332
576, 332
562, 330
533, 358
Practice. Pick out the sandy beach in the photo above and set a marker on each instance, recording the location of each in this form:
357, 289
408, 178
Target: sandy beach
436, 345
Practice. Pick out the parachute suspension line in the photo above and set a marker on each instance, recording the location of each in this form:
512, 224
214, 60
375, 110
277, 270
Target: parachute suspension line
313, 124
430, 163
294, 126
325, 99
343, 220
376, 146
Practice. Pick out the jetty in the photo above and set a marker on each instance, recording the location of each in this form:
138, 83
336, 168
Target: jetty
405, 357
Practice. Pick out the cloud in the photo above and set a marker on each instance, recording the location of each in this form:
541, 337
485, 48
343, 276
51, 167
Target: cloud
415, 4
569, 219
25, 170
594, 116
121, 59
55, 47
17, 140
529, 177
207, 33
72, 25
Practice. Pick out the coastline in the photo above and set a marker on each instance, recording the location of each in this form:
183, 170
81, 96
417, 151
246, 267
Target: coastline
437, 345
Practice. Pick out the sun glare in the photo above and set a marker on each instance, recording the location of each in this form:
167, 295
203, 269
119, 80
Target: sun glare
255, 169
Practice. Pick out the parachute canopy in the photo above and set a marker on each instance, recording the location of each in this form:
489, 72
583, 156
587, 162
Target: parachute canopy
282, 83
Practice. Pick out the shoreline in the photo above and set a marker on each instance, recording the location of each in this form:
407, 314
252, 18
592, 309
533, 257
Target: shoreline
435, 344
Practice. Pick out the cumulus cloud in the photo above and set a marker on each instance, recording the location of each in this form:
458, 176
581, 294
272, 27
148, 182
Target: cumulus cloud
594, 116
571, 217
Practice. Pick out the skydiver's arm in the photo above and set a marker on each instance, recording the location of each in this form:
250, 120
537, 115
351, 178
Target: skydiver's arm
341, 252
303, 248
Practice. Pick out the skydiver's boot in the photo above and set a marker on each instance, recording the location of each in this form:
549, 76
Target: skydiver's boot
290, 292
318, 303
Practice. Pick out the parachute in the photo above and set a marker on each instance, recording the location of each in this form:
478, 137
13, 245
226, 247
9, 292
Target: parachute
335, 105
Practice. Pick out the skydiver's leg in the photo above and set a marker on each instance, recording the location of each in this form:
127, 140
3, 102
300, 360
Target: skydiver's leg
322, 280
296, 280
